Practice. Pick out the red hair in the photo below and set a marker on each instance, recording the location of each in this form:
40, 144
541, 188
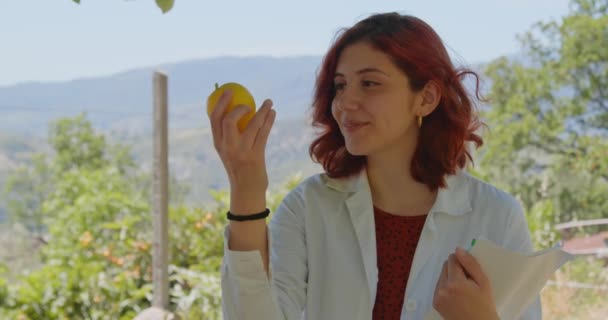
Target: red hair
418, 51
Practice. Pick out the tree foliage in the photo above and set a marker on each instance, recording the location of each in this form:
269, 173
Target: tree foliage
548, 120
95, 213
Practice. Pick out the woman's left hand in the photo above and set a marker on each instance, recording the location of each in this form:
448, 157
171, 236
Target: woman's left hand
463, 290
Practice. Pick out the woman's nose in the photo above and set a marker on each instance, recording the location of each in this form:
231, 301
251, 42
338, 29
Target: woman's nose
348, 100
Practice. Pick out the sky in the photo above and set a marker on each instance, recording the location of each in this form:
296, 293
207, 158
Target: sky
58, 40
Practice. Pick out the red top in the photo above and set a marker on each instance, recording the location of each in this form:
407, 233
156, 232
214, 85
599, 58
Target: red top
396, 241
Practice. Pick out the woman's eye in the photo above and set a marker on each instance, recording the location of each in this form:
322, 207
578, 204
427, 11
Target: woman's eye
339, 86
367, 83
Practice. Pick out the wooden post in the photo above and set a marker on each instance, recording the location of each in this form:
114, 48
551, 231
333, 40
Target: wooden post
161, 192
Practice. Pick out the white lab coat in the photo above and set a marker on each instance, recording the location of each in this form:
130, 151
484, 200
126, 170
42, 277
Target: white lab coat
323, 250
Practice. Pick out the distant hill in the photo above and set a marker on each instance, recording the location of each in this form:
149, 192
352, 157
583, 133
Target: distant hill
120, 105
124, 101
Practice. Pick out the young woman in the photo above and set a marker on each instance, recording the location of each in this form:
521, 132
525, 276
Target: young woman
379, 234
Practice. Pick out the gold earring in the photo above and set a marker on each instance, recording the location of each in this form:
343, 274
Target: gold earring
419, 121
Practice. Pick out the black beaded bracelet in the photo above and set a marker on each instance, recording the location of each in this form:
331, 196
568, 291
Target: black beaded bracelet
255, 216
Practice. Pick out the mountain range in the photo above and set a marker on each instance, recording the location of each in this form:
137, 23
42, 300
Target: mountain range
123, 101
120, 106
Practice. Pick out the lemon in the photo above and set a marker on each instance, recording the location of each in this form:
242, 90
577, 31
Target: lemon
240, 95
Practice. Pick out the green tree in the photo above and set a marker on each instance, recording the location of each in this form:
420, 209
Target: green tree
25, 190
97, 224
549, 120
76, 146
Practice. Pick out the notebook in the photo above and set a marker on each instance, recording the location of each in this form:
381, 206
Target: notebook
516, 278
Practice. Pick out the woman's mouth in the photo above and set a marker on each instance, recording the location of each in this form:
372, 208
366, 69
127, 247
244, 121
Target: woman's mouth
352, 126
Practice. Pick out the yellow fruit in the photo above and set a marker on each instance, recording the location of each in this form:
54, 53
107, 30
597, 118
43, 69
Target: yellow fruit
240, 95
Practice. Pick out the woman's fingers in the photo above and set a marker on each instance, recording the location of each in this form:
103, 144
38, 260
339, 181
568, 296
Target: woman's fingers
455, 271
225, 129
472, 267
258, 120
443, 277
216, 118
458, 297
230, 130
261, 138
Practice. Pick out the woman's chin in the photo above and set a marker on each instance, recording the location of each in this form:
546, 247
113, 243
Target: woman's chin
357, 150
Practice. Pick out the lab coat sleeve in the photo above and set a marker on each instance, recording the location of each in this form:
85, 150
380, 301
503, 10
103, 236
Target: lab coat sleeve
247, 291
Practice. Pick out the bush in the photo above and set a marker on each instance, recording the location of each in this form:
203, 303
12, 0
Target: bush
98, 262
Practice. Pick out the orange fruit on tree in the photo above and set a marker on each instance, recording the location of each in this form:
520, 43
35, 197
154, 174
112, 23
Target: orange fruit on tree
240, 95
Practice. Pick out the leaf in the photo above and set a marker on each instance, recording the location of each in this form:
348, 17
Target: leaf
111, 226
77, 1
165, 5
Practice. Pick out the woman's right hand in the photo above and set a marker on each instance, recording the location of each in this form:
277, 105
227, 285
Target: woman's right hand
243, 153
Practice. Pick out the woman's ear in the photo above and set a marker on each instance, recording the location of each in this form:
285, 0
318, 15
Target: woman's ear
429, 98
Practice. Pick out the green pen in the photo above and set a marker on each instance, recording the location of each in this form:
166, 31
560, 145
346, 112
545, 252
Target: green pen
472, 244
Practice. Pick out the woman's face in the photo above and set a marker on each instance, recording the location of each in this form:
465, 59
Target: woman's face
374, 104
